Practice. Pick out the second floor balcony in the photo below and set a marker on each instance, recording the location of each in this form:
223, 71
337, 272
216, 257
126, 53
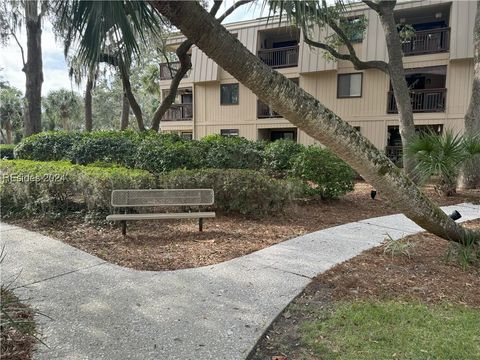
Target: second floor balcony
264, 111
427, 42
280, 57
179, 112
423, 100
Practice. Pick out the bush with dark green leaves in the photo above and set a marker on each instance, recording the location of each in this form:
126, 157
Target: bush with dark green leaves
324, 173
159, 154
47, 146
6, 151
117, 147
220, 152
247, 192
279, 156
37, 187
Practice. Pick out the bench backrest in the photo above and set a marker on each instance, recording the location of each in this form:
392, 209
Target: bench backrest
162, 197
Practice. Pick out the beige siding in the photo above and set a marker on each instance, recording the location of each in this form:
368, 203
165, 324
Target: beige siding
462, 18
203, 68
312, 59
374, 46
459, 83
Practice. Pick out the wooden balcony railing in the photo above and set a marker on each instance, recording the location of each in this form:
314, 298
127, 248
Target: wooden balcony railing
179, 112
427, 42
280, 57
425, 100
264, 111
167, 73
395, 154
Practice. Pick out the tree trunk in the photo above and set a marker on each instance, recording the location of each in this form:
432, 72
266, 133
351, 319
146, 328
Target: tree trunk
125, 112
9, 131
137, 111
88, 104
185, 65
470, 174
306, 112
399, 83
33, 70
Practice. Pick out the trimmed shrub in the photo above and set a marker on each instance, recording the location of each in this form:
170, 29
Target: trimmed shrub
279, 155
31, 187
97, 183
325, 174
6, 151
117, 147
159, 154
47, 146
247, 192
222, 152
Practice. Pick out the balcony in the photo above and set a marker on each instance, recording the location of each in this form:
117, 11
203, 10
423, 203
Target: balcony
264, 111
179, 112
168, 70
423, 100
395, 154
280, 57
427, 42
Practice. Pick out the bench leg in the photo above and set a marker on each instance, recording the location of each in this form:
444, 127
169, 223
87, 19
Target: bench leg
200, 224
124, 227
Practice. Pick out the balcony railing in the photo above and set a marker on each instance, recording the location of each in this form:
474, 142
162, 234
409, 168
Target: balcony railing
280, 57
427, 42
425, 100
264, 111
168, 71
179, 112
395, 154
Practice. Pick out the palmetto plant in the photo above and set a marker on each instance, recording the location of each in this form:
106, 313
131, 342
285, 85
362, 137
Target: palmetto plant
443, 156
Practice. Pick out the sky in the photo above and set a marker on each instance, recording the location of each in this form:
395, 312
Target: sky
55, 71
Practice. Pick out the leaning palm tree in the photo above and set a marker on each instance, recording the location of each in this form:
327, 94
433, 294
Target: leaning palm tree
442, 156
296, 105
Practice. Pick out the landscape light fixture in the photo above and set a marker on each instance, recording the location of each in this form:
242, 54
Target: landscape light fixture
455, 215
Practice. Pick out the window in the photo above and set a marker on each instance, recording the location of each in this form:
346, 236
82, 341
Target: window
229, 132
349, 85
229, 94
187, 135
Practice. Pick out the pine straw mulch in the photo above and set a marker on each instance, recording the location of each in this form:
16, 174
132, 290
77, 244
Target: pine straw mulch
16, 344
176, 244
428, 271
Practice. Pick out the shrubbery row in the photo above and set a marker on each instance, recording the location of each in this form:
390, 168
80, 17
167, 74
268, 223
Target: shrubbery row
34, 187
323, 173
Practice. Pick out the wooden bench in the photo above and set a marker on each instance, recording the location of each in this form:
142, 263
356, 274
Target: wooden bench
161, 197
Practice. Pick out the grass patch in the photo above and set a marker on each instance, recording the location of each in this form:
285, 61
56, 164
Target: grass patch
395, 330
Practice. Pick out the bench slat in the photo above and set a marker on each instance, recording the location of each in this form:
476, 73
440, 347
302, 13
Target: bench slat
153, 216
162, 197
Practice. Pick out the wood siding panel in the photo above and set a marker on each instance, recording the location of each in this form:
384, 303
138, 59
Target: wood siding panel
312, 59
374, 45
203, 68
462, 19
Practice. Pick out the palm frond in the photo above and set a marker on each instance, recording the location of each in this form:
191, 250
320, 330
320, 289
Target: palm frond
95, 27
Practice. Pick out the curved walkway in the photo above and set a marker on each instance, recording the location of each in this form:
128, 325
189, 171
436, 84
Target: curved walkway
99, 310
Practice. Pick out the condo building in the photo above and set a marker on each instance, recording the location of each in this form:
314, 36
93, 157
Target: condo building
438, 61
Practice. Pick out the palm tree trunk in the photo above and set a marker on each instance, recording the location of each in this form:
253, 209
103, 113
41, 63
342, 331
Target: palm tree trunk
125, 112
470, 175
9, 131
88, 104
33, 70
306, 112
399, 83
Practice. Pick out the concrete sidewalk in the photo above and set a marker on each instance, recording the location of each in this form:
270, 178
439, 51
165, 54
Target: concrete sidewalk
99, 310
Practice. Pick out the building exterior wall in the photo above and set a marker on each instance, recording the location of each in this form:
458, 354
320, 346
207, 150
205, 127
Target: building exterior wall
319, 76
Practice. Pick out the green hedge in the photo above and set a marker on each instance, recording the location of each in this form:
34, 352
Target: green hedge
279, 156
47, 146
6, 151
325, 174
33, 187
247, 192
